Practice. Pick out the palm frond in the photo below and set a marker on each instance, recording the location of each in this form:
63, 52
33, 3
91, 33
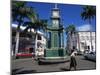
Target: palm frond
88, 13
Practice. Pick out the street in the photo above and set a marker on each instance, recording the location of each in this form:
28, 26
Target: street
29, 65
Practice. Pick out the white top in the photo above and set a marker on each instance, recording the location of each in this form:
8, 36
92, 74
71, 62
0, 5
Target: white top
73, 54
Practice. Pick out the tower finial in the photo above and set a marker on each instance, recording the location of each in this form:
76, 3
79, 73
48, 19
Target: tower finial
55, 5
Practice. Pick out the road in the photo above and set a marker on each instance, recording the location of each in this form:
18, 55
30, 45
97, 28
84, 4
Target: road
29, 65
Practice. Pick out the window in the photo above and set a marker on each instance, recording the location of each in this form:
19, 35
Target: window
82, 44
39, 37
88, 47
74, 47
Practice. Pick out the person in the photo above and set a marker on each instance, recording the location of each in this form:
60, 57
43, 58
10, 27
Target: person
73, 62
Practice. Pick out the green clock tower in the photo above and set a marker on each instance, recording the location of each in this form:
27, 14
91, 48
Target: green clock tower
55, 43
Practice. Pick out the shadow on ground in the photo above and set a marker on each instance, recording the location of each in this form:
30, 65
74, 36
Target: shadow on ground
18, 71
65, 69
15, 70
51, 63
26, 72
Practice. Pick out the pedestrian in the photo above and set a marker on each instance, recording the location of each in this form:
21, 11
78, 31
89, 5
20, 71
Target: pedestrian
73, 62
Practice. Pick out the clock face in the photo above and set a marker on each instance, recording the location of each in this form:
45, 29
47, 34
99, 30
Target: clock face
55, 22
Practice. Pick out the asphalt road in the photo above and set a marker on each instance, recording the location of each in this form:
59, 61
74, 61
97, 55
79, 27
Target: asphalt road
29, 65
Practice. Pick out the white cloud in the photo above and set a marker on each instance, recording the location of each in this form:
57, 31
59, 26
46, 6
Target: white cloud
15, 25
85, 27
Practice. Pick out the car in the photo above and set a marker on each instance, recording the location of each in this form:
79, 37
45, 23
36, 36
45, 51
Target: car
90, 56
79, 53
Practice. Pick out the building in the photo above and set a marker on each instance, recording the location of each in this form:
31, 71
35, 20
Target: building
40, 44
83, 41
86, 41
28, 43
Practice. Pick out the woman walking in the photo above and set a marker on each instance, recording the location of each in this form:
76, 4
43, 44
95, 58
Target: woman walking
73, 62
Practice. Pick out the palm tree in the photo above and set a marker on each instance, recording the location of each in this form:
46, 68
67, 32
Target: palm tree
70, 32
89, 13
19, 12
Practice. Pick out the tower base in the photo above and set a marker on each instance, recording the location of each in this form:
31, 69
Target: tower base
54, 55
55, 52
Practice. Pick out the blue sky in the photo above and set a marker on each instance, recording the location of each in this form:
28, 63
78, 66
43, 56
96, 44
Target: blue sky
70, 14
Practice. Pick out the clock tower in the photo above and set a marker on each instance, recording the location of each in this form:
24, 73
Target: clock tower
55, 43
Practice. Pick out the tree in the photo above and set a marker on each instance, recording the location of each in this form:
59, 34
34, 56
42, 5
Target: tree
37, 25
70, 29
19, 12
89, 13
70, 32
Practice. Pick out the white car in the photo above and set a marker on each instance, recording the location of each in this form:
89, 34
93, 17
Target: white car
90, 56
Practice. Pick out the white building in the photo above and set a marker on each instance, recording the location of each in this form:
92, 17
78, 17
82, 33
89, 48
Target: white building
85, 40
40, 44
82, 41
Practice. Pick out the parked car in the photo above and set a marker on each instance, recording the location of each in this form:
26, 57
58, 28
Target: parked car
90, 56
79, 53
